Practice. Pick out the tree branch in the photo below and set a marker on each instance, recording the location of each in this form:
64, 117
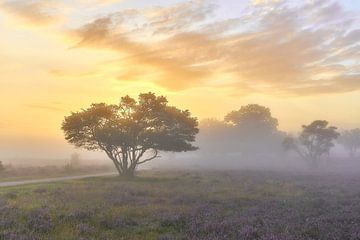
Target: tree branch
149, 159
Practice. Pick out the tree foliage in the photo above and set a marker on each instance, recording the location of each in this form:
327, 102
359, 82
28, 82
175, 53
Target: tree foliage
132, 132
249, 132
350, 139
253, 117
254, 130
315, 140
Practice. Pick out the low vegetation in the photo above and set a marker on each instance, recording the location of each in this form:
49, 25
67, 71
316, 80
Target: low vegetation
186, 205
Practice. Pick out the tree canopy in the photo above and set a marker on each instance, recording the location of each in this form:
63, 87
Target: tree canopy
253, 117
249, 132
315, 140
132, 132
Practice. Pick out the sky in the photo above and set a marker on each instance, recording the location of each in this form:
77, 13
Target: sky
299, 58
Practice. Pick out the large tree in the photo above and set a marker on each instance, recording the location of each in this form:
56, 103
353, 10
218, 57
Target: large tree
350, 139
132, 132
315, 141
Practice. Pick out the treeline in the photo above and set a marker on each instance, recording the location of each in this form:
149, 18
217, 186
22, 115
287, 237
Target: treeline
252, 133
135, 131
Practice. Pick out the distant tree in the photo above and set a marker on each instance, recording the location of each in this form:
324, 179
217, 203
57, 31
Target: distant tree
253, 117
315, 140
351, 141
254, 130
2, 167
75, 160
132, 132
290, 143
73, 163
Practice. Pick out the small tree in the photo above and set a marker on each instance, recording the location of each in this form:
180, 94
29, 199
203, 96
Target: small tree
2, 167
132, 132
75, 160
315, 140
73, 163
351, 141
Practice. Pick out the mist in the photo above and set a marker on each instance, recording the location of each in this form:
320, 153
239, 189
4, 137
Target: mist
224, 146
179, 120
221, 146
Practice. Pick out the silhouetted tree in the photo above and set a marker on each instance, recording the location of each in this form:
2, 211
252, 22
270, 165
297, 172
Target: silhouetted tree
315, 140
254, 130
133, 132
253, 117
351, 141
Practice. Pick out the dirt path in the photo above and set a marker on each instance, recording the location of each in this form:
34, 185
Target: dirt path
49, 180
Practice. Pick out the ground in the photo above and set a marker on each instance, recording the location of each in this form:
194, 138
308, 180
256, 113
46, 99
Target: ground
205, 205
30, 173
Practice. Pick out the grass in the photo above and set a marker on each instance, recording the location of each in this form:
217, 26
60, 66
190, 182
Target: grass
185, 205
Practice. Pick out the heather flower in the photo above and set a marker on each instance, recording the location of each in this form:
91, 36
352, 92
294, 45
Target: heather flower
40, 220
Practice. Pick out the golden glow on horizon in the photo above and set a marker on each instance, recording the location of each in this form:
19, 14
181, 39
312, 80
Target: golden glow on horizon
53, 63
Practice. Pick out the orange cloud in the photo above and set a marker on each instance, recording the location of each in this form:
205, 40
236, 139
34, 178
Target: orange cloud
37, 12
292, 49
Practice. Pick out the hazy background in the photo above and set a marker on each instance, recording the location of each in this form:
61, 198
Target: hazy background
299, 58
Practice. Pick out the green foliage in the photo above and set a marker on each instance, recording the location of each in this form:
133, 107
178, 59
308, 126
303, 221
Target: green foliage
131, 130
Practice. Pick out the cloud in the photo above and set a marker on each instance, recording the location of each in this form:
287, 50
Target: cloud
345, 83
108, 1
273, 47
181, 17
149, 62
37, 12
265, 2
102, 2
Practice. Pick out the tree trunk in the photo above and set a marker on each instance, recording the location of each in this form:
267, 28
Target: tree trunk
127, 173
